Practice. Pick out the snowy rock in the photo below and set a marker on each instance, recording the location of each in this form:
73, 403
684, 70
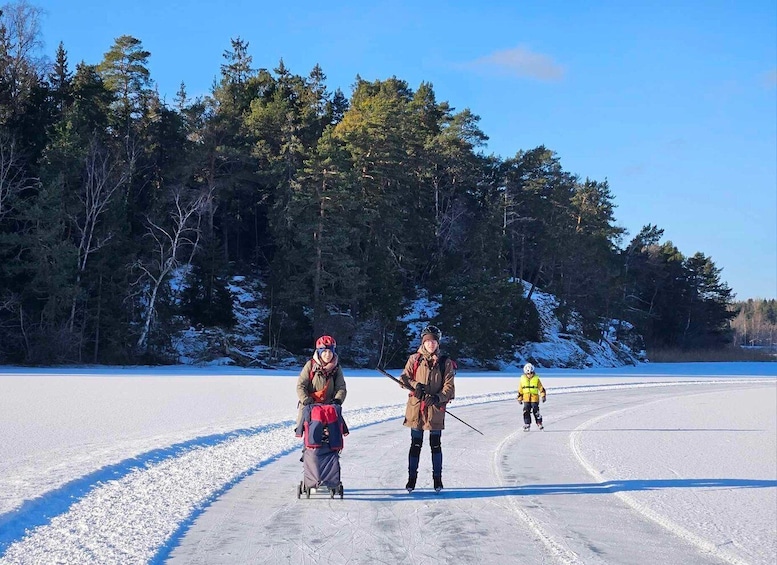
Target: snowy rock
246, 346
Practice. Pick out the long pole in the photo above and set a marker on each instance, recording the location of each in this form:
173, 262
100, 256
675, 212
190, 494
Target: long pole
462, 421
396, 380
392, 377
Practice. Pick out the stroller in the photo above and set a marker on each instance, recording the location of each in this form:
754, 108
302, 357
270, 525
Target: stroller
322, 429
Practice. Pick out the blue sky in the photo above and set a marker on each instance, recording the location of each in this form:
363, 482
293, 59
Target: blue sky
675, 103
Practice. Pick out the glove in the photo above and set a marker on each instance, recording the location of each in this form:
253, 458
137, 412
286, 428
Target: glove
432, 399
337, 401
543, 399
520, 400
307, 401
420, 389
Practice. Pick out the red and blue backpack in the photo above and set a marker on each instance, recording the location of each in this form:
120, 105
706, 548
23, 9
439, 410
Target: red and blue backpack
323, 423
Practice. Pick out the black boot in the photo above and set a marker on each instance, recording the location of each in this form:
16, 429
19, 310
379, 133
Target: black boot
410, 486
437, 483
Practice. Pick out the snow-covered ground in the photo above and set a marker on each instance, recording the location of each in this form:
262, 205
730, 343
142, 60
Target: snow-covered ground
647, 464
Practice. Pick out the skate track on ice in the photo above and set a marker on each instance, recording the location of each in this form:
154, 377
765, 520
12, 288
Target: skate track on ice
510, 496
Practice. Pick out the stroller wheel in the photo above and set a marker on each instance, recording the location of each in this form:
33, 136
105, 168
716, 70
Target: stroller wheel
299, 490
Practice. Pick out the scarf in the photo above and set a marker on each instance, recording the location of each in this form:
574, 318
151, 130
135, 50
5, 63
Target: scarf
320, 378
429, 359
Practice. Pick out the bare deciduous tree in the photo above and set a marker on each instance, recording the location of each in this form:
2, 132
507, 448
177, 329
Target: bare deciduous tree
20, 42
102, 180
12, 176
9, 301
171, 240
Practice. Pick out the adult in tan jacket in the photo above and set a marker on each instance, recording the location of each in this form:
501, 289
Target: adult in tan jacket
429, 376
321, 379
530, 391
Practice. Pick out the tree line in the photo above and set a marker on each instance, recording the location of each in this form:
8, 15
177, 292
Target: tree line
346, 207
755, 323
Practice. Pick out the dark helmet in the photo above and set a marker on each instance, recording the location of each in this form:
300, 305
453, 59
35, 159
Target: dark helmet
326, 342
432, 331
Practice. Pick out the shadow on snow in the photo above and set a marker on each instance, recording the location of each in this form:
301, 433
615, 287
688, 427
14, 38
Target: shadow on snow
594, 430
606, 487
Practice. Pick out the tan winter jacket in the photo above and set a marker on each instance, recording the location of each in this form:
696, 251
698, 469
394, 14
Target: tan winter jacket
417, 414
329, 386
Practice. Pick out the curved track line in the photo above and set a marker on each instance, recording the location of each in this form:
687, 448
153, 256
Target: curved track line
561, 553
676, 529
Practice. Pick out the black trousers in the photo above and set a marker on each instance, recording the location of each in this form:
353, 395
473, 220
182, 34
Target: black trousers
530, 408
416, 443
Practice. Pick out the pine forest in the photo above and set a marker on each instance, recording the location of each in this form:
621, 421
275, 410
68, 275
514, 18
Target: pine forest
346, 206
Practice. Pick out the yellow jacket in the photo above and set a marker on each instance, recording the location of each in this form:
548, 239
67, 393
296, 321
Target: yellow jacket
530, 388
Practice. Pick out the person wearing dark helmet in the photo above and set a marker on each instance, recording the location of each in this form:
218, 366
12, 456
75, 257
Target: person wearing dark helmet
430, 378
321, 379
530, 391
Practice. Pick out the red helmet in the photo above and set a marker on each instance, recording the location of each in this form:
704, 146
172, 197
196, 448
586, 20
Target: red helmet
326, 342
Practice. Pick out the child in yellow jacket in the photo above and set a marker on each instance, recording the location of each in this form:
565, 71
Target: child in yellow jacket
530, 391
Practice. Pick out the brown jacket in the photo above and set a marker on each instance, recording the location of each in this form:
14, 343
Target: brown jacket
329, 386
437, 380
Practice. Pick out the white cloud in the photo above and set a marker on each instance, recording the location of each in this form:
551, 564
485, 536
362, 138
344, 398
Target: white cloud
521, 62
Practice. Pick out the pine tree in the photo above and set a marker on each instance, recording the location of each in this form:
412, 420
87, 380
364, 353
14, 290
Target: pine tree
480, 313
708, 309
60, 79
124, 71
381, 136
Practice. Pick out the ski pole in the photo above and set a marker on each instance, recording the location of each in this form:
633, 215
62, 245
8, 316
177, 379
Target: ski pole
463, 422
393, 378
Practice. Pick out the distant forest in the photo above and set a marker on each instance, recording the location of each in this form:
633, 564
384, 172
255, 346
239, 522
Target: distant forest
346, 207
755, 323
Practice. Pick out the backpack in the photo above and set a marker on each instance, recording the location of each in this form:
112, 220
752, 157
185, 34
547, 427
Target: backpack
440, 361
323, 423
